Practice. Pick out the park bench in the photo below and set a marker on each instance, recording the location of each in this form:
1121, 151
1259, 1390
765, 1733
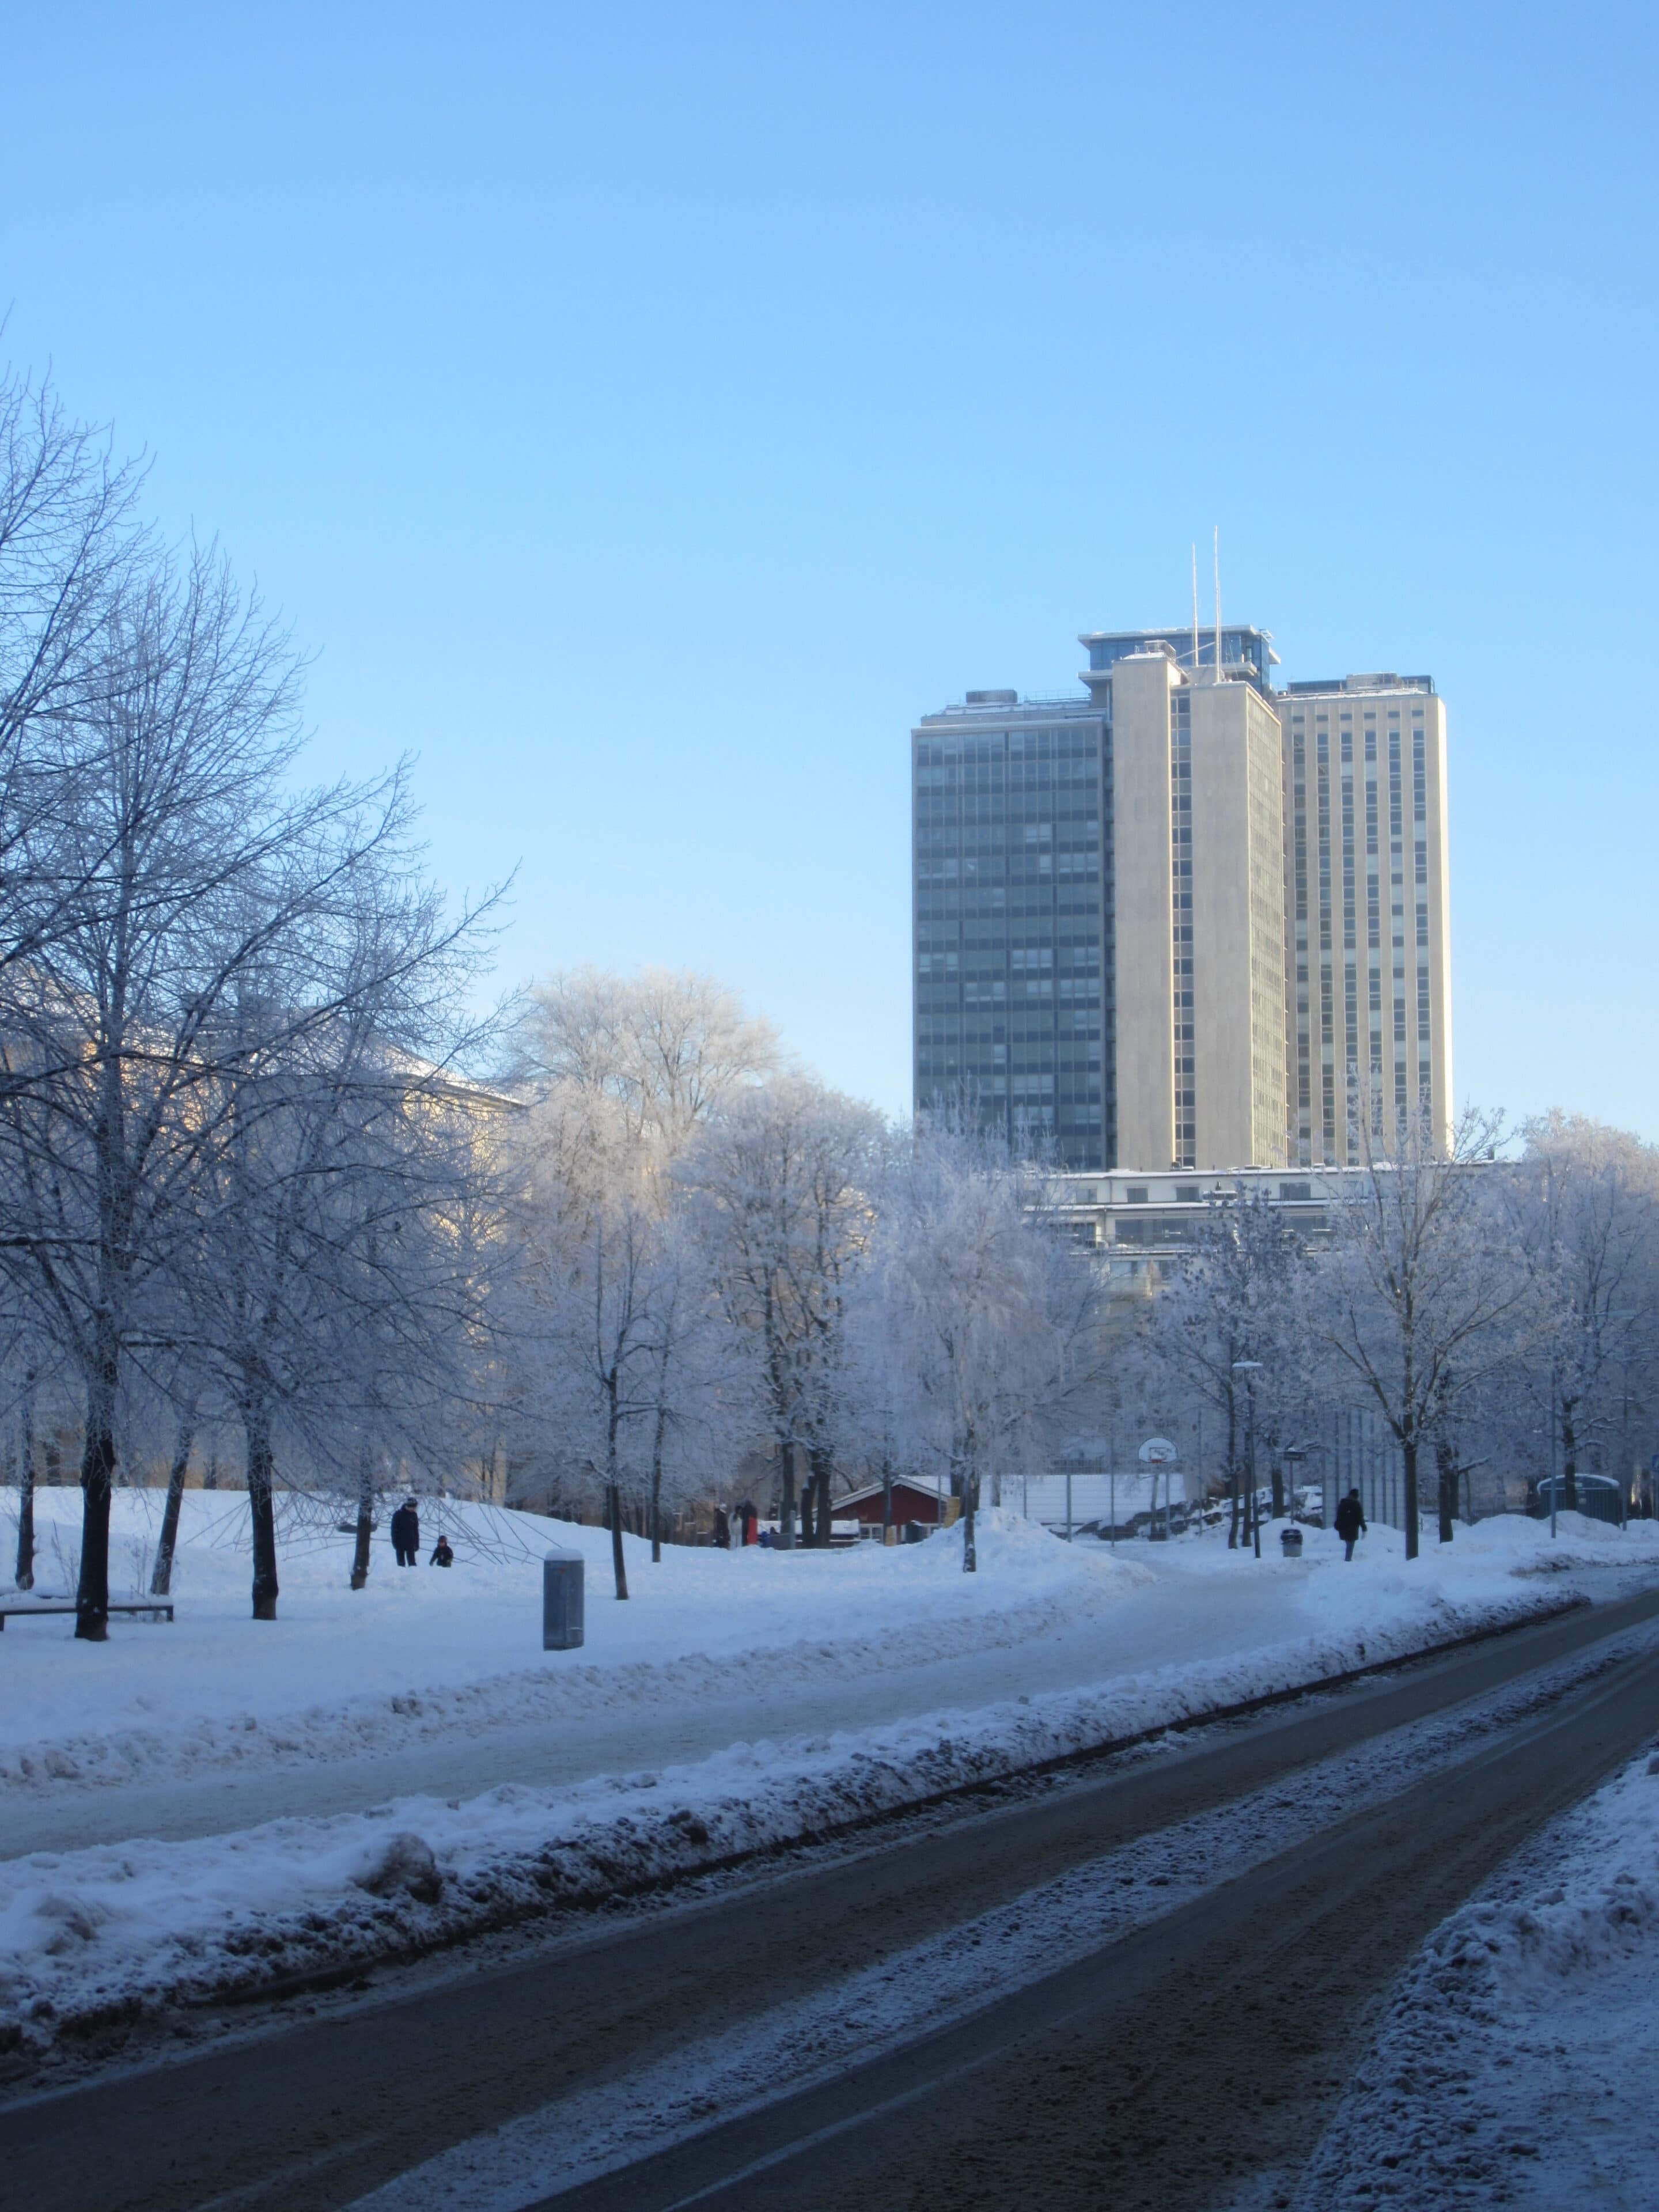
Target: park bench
159, 1609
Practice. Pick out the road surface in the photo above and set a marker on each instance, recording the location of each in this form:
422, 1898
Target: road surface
1162, 2068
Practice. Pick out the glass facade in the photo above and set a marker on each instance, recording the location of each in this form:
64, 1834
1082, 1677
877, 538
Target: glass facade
1245, 650
1012, 956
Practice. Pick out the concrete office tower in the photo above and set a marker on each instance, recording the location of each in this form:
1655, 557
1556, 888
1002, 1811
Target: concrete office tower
1198, 892
1366, 925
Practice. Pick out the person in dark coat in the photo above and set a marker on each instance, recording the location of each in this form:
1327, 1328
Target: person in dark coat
442, 1556
406, 1534
722, 1530
1350, 1521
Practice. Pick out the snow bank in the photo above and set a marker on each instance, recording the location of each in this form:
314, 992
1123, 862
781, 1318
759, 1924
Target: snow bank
1518, 2059
107, 1933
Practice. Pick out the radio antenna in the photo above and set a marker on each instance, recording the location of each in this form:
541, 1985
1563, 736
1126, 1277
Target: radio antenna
1194, 610
1217, 602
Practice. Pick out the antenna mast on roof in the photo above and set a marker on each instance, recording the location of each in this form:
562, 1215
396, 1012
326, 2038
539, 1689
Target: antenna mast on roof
1195, 611
1217, 602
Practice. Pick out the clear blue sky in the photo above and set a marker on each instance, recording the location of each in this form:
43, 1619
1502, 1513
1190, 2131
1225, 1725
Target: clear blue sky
646, 412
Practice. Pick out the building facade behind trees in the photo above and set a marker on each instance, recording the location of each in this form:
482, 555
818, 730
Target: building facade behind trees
1189, 921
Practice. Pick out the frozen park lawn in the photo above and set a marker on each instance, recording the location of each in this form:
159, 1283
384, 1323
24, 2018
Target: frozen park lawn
341, 1673
696, 1616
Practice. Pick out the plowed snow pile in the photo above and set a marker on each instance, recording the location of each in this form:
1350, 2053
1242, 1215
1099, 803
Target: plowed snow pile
1517, 2062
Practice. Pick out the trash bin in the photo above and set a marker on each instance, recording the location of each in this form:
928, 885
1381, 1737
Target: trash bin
561, 1600
1292, 1539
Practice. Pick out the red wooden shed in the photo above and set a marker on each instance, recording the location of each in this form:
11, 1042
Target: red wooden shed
912, 1501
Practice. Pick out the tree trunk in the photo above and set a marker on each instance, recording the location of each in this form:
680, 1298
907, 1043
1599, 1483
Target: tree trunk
787, 1510
1409, 1456
1276, 1476
262, 1510
613, 1506
1569, 1458
210, 1479
25, 1576
1446, 1462
656, 1485
160, 1581
365, 1519
1232, 1473
886, 1496
97, 1476
818, 1459
613, 1490
969, 1547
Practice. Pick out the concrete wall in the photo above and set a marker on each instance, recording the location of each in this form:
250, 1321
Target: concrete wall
1141, 685
1238, 957
1317, 1030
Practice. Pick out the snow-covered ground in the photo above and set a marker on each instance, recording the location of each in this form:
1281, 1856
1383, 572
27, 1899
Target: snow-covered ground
134, 1923
423, 1653
1518, 2062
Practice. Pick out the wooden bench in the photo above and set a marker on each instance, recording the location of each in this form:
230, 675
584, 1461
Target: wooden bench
158, 1608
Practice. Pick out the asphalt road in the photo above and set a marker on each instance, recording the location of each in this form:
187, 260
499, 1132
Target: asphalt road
1158, 2072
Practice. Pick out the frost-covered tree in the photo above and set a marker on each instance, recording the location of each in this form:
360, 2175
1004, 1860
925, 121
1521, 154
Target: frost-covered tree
650, 1055
1587, 1214
986, 1326
337, 1292
1228, 1329
1422, 1294
780, 1184
69, 542
138, 1025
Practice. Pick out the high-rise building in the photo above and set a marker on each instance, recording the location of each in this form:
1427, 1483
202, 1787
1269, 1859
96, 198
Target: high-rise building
1367, 942
1012, 917
1126, 909
1198, 917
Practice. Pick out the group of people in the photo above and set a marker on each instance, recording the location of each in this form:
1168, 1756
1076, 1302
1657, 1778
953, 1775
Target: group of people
739, 1525
406, 1539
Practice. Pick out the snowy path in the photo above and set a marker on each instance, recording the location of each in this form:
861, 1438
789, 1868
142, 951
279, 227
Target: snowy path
1175, 1619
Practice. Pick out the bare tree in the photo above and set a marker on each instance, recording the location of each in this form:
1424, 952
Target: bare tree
1227, 1328
1586, 1210
781, 1185
997, 1318
69, 542
337, 1290
654, 1054
592, 1276
1422, 1294
201, 872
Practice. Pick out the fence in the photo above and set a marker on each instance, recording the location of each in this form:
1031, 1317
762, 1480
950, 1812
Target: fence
1362, 1455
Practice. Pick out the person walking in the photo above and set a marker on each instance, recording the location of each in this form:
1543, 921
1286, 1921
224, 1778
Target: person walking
1350, 1521
406, 1534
